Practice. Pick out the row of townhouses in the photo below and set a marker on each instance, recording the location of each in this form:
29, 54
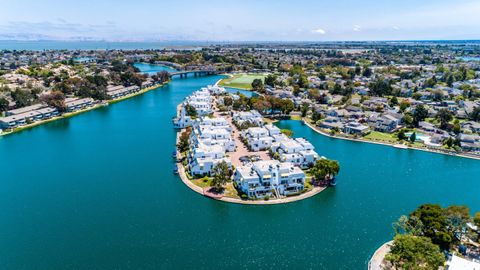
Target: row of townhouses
118, 91
201, 101
22, 116
210, 140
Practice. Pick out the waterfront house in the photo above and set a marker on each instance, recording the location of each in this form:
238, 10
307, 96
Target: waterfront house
25, 109
298, 151
75, 104
211, 132
182, 120
469, 142
383, 123
201, 101
356, 128
202, 159
331, 123
260, 178
248, 181
118, 91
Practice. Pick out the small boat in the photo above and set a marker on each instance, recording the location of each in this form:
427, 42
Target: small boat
175, 169
174, 154
333, 182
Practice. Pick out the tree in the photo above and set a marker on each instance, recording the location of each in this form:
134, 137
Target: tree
270, 80
401, 135
413, 137
287, 132
163, 76
456, 126
287, 106
22, 98
444, 116
380, 87
191, 111
457, 218
393, 101
304, 109
55, 99
408, 119
435, 224
325, 168
449, 142
3, 104
367, 72
221, 175
408, 225
184, 140
419, 114
227, 101
404, 105
258, 86
414, 252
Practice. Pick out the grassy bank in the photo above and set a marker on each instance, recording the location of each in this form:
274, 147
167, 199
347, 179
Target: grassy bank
241, 81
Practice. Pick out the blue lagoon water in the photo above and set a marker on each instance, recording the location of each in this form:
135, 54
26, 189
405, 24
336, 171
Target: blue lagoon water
247, 93
96, 191
151, 69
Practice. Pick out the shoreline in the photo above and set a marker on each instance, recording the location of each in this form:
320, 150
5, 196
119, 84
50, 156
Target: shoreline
71, 114
199, 190
454, 154
376, 261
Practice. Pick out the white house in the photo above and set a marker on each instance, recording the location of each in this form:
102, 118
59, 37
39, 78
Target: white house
259, 179
251, 116
202, 159
297, 151
258, 138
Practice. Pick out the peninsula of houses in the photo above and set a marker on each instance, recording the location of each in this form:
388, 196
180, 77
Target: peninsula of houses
255, 160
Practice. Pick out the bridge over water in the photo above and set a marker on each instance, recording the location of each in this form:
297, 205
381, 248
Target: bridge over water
198, 72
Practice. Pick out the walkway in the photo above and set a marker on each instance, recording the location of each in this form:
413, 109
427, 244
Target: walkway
376, 262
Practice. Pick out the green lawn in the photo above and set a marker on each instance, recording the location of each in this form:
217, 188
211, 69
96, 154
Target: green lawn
381, 137
203, 182
241, 81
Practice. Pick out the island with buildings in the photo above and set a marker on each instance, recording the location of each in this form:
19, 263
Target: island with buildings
235, 156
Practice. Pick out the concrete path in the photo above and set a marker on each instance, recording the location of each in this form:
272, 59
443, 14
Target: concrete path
376, 262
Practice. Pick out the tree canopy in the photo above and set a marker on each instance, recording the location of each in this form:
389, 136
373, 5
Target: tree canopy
324, 168
414, 252
221, 175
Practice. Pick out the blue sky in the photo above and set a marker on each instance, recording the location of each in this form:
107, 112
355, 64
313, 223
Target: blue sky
247, 20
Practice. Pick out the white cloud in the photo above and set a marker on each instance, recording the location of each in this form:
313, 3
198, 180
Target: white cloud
319, 31
357, 28
396, 28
